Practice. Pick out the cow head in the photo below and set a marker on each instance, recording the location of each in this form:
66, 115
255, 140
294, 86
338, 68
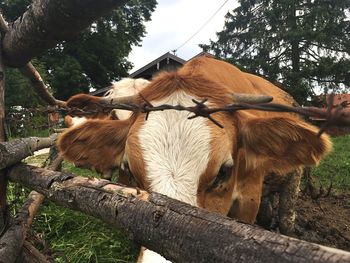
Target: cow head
194, 160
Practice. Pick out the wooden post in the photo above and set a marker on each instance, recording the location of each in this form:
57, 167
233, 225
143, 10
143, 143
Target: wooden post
3, 181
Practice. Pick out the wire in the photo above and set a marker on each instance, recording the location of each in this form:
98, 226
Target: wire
206, 22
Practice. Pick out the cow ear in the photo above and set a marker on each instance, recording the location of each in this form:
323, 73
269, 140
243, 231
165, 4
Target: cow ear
95, 144
281, 144
83, 100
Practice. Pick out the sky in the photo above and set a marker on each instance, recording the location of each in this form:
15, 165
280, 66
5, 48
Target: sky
175, 21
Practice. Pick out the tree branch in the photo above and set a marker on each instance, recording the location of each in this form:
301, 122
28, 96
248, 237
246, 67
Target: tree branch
46, 23
39, 86
329, 48
14, 151
32, 255
33, 75
178, 231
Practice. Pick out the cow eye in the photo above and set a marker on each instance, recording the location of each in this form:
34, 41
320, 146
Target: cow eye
222, 177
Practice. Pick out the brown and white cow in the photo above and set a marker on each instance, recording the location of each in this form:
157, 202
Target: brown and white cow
195, 161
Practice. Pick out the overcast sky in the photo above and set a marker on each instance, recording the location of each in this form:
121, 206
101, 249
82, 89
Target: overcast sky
173, 22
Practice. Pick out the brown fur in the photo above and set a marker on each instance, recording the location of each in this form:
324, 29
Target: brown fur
83, 101
259, 142
96, 143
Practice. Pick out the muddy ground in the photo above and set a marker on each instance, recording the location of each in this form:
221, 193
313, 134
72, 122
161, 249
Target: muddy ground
325, 221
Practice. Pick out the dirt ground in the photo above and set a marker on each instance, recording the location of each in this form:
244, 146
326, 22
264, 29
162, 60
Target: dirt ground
325, 221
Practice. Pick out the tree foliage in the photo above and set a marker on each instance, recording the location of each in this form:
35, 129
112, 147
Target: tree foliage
302, 44
18, 89
98, 55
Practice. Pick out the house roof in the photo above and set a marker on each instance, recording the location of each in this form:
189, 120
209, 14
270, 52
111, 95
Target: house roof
159, 63
166, 56
99, 91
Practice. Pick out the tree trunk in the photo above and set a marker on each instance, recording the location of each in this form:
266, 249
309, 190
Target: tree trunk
14, 151
177, 231
47, 22
3, 181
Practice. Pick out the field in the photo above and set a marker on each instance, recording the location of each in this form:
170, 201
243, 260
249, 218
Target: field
69, 236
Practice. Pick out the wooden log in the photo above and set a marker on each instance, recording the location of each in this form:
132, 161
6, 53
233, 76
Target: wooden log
14, 247
177, 231
14, 151
36, 198
32, 255
46, 23
3, 181
39, 86
11, 243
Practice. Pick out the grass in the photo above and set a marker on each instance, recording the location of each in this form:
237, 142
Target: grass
335, 167
75, 237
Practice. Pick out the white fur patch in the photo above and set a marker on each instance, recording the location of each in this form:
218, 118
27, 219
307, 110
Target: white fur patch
123, 88
175, 150
152, 257
78, 120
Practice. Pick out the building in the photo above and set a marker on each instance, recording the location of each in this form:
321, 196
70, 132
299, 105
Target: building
166, 62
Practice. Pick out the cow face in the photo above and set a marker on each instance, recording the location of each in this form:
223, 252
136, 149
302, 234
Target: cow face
194, 160
173, 155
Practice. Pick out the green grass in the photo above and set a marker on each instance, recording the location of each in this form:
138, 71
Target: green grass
335, 167
75, 237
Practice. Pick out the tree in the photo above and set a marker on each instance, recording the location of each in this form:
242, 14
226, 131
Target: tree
19, 91
301, 44
98, 55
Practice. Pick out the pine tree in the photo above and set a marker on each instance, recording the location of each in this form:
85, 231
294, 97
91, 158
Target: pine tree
300, 44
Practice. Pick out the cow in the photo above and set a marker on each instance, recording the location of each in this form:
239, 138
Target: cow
194, 160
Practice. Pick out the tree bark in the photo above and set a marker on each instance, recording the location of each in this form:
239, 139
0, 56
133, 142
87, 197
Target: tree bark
47, 22
39, 86
32, 255
36, 198
33, 75
13, 247
3, 181
11, 243
14, 151
178, 231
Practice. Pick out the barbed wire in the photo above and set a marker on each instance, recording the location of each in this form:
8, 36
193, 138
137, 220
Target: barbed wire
333, 115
